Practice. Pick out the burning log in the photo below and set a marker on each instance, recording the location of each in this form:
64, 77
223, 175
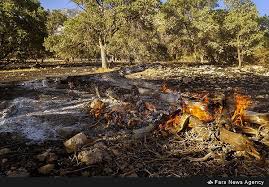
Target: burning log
238, 142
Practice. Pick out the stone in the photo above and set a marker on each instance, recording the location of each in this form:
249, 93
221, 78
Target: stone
48, 156
90, 157
74, 143
96, 154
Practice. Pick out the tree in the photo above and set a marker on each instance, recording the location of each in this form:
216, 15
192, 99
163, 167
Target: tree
188, 27
119, 28
262, 54
22, 29
138, 38
69, 39
101, 19
55, 21
242, 22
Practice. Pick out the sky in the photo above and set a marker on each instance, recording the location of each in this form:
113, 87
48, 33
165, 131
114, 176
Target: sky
262, 5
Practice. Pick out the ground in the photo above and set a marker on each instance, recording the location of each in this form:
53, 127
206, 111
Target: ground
35, 110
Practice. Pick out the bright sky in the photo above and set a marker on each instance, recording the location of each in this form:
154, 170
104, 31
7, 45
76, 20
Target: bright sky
263, 5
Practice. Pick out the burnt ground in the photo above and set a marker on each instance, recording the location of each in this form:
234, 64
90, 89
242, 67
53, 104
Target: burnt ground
153, 155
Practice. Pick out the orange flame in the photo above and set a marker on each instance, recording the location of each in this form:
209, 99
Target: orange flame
241, 104
199, 110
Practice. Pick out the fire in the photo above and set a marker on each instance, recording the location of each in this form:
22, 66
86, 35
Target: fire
242, 102
199, 110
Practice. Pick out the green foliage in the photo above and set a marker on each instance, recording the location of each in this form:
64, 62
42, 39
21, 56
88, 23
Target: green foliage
67, 42
242, 22
138, 38
22, 29
55, 21
124, 29
262, 54
188, 27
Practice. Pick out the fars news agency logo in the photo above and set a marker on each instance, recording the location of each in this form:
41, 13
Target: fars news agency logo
237, 182
210, 182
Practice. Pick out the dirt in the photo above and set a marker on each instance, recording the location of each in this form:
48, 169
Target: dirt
155, 155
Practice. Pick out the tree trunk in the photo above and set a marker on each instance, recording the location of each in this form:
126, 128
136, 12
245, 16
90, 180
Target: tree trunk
202, 58
103, 54
239, 58
239, 53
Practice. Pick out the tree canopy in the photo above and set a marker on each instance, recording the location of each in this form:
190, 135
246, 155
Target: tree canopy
22, 29
136, 30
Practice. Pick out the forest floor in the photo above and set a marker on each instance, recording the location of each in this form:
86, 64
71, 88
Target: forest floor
40, 109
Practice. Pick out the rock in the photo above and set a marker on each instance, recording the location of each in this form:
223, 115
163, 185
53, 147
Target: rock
96, 154
21, 172
91, 157
4, 151
74, 143
46, 169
